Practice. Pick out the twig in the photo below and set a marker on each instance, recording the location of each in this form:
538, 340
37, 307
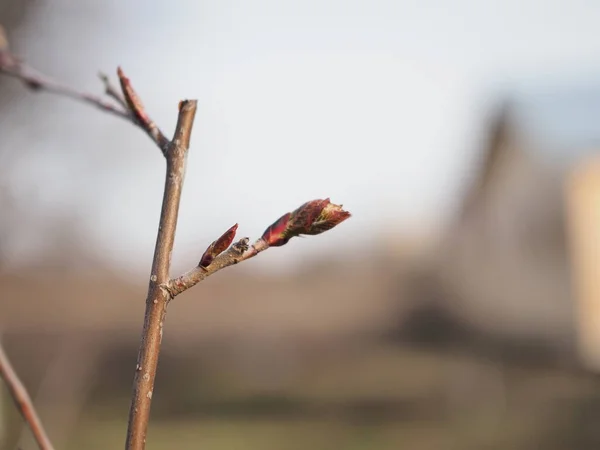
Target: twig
37, 81
311, 218
237, 253
142, 118
159, 297
23, 402
14, 67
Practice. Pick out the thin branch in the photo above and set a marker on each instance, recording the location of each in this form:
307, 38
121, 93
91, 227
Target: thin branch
159, 297
14, 67
23, 402
235, 254
37, 81
311, 218
132, 100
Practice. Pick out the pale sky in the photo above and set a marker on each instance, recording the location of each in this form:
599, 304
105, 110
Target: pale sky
376, 104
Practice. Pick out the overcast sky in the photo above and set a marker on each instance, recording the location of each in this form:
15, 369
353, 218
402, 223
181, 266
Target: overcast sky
377, 104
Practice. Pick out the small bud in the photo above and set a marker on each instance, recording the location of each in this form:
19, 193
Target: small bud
133, 100
330, 216
311, 218
218, 247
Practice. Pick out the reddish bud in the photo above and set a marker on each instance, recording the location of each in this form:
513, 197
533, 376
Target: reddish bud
311, 218
276, 234
218, 247
331, 215
131, 98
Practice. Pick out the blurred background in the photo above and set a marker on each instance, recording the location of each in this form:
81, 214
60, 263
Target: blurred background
459, 308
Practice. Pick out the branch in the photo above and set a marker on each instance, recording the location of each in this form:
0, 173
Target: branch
23, 402
37, 81
237, 253
159, 297
128, 108
311, 218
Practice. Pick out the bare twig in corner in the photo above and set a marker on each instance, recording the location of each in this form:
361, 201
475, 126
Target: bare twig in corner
23, 402
311, 218
37, 81
14, 67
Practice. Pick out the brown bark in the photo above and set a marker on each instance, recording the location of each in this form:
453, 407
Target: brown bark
158, 295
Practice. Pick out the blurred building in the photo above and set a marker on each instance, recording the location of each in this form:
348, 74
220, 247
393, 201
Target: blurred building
518, 265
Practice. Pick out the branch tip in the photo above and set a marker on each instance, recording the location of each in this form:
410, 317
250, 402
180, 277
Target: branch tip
186, 104
134, 104
311, 218
185, 120
132, 98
